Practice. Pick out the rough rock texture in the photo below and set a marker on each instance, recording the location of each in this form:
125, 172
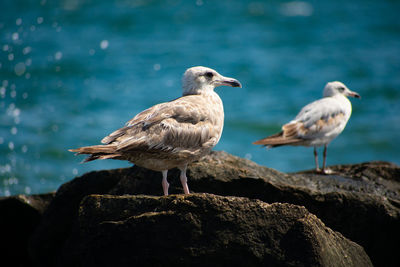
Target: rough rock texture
57, 221
378, 178
19, 216
202, 230
360, 201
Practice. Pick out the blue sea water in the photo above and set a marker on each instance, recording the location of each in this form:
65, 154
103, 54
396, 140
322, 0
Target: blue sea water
73, 71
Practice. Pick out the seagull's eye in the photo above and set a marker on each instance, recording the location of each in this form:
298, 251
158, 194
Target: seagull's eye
341, 89
209, 74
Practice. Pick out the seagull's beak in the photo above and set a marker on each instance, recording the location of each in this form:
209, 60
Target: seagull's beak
227, 81
353, 94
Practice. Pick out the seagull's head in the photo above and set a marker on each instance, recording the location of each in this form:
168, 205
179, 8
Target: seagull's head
198, 80
335, 88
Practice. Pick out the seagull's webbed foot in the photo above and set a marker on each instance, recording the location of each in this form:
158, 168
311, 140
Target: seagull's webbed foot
325, 171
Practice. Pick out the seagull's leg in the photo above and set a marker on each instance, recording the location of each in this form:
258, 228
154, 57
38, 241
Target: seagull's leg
184, 179
164, 182
316, 159
324, 162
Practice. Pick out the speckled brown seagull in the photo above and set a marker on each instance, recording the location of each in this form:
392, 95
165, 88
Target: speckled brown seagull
318, 123
171, 134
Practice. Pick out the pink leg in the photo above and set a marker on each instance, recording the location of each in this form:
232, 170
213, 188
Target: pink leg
164, 182
316, 159
184, 180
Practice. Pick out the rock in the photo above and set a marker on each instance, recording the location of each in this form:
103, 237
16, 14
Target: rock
359, 201
378, 178
55, 227
20, 215
202, 229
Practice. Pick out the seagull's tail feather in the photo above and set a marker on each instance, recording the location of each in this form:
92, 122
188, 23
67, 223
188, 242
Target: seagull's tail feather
277, 140
94, 149
97, 152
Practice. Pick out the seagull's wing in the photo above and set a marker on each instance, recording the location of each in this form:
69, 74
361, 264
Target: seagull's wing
140, 122
182, 124
318, 119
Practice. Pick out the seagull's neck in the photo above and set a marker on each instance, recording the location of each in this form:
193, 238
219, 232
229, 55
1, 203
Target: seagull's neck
340, 97
344, 102
204, 90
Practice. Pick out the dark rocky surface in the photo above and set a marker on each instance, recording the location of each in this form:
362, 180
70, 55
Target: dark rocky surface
57, 221
361, 201
19, 216
202, 230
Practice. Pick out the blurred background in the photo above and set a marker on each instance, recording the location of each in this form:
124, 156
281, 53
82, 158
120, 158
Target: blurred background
73, 71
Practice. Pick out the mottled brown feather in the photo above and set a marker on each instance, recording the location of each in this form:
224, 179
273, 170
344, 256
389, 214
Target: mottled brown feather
293, 132
288, 136
278, 139
181, 129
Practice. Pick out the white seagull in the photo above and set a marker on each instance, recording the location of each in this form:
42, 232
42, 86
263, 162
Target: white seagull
171, 134
318, 123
